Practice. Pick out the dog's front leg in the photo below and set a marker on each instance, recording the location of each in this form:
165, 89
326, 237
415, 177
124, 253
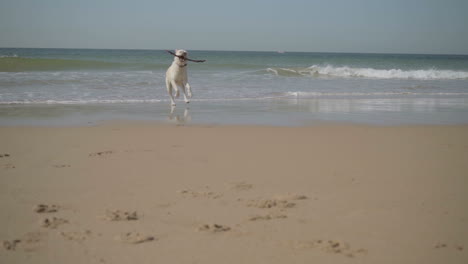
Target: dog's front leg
189, 90
169, 91
185, 94
176, 88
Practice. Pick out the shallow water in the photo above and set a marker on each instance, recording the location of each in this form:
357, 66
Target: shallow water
54, 86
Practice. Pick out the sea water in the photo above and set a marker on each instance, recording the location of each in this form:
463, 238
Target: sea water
45, 86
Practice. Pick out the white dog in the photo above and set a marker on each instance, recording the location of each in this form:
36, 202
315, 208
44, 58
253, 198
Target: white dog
176, 77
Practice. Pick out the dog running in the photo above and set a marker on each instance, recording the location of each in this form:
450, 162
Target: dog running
176, 76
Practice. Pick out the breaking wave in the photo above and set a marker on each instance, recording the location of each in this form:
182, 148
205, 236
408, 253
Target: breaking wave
308, 95
9, 56
350, 72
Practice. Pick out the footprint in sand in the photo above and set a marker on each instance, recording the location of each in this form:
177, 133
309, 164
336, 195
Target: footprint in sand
241, 186
134, 238
101, 153
440, 245
11, 245
330, 246
76, 236
164, 205
117, 215
214, 228
197, 194
280, 201
60, 166
291, 197
53, 222
267, 217
29, 242
138, 150
270, 203
9, 166
445, 245
46, 208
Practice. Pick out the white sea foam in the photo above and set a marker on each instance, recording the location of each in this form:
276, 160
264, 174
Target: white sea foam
125, 101
351, 72
9, 56
271, 96
306, 95
80, 102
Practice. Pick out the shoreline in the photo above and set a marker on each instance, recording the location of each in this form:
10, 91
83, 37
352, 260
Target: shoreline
141, 192
281, 112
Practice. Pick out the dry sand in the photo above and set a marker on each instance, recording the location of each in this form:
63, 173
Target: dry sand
145, 193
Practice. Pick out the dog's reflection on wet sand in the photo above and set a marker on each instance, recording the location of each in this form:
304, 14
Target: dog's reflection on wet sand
177, 117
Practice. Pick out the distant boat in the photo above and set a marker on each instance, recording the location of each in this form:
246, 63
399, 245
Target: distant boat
281, 51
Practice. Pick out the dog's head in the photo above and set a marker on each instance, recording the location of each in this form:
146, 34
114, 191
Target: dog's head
181, 57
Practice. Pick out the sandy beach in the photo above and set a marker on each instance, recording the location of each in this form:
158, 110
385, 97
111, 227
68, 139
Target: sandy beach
130, 192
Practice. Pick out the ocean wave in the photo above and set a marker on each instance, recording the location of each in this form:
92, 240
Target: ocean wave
20, 64
308, 95
371, 73
265, 97
9, 56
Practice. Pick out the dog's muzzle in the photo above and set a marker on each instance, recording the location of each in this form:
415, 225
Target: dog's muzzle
182, 60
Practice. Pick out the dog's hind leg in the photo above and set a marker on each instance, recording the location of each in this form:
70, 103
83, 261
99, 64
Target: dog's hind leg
169, 91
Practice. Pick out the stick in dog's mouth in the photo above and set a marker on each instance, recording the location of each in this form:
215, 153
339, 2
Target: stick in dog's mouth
183, 57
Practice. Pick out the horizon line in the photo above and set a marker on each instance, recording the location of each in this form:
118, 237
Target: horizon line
282, 51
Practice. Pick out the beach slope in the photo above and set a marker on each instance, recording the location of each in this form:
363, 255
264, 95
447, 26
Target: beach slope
146, 193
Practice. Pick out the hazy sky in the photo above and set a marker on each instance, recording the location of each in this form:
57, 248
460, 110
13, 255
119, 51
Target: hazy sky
395, 26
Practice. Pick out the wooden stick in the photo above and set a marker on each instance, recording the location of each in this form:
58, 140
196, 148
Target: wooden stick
196, 60
172, 53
